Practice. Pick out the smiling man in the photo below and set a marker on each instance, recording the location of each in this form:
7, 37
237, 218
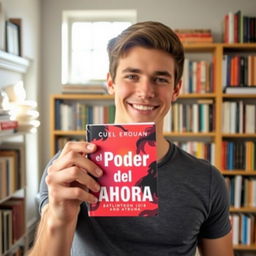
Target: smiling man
146, 64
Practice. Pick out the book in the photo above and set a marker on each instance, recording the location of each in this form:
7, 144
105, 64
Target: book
98, 87
240, 89
8, 125
127, 155
17, 206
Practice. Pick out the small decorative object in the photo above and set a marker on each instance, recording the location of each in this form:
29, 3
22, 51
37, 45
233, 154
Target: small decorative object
22, 110
4, 100
2, 28
13, 38
16, 92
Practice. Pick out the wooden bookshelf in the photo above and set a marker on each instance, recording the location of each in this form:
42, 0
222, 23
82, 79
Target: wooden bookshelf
216, 51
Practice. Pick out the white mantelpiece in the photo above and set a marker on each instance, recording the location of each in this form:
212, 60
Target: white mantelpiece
13, 63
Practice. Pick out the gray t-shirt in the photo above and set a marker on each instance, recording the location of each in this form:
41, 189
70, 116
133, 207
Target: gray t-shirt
193, 204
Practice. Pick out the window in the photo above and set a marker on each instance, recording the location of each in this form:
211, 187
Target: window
85, 35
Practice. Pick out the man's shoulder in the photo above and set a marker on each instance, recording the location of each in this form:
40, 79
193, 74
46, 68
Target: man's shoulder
186, 157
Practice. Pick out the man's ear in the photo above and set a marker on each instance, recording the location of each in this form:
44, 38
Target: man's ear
176, 91
110, 84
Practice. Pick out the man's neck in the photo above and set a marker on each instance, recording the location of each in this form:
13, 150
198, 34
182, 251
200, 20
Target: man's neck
162, 143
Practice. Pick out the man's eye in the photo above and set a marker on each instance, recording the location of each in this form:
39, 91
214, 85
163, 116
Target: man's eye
132, 77
161, 80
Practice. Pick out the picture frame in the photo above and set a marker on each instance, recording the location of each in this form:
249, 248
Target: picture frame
13, 38
2, 28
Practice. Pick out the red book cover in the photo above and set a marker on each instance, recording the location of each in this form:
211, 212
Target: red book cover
127, 155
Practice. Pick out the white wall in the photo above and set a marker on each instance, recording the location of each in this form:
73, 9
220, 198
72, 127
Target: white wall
29, 12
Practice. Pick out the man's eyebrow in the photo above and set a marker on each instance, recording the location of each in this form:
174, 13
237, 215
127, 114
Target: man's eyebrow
156, 73
163, 73
132, 70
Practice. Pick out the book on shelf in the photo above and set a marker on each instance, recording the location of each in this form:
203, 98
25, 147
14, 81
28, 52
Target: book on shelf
243, 229
194, 35
92, 88
8, 174
17, 207
240, 89
239, 155
239, 28
238, 71
197, 77
12, 175
6, 230
127, 155
19, 149
72, 115
8, 125
195, 117
238, 117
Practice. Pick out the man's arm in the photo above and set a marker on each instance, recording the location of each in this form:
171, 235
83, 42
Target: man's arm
69, 181
52, 238
220, 246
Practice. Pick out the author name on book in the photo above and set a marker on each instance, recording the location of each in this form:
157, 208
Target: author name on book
123, 134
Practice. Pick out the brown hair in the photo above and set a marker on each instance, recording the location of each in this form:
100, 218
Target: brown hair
147, 34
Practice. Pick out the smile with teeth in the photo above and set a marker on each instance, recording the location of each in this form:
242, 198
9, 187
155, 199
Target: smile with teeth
142, 107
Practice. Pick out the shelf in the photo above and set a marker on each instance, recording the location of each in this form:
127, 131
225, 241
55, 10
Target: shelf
239, 96
14, 194
239, 135
197, 95
14, 246
239, 46
189, 134
4, 136
13, 63
239, 172
202, 47
69, 133
84, 96
245, 247
243, 210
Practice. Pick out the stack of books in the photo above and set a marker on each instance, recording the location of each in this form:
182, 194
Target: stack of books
96, 87
7, 126
194, 35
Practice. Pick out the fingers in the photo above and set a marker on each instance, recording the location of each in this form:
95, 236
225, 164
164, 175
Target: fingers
73, 174
82, 147
58, 194
73, 155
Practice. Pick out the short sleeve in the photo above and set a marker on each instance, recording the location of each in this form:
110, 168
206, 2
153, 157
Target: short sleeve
217, 223
43, 189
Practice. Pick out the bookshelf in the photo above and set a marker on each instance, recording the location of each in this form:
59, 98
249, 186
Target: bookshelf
213, 54
15, 230
13, 194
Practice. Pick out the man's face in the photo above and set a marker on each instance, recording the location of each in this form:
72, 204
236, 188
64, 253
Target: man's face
144, 86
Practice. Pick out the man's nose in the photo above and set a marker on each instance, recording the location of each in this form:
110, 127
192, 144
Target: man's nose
146, 89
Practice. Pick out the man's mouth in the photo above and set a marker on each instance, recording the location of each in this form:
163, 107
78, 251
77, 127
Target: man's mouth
143, 107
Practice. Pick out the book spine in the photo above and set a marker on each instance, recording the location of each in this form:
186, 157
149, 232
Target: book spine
6, 125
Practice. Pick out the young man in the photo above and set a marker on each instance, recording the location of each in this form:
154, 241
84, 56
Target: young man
146, 64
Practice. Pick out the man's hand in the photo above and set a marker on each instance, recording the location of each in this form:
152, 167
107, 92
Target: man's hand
69, 180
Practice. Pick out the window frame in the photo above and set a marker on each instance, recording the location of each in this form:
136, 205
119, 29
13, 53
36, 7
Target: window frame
69, 17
